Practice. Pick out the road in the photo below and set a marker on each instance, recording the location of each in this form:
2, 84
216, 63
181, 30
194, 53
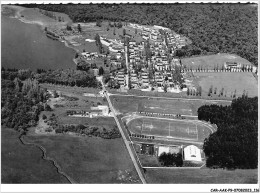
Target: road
127, 144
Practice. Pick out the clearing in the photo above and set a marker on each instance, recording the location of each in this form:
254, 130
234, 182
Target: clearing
230, 81
128, 104
211, 61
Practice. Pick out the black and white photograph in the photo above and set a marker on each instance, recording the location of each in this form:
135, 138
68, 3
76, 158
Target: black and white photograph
108, 92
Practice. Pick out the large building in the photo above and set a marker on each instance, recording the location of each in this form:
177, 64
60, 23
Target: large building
192, 153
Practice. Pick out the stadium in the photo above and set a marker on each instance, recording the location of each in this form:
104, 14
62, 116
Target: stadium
186, 130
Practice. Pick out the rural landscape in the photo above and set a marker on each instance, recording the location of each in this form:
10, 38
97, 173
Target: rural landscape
129, 94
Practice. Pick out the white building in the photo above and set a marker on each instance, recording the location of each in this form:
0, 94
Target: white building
192, 153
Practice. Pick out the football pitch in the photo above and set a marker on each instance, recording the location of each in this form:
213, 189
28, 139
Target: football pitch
178, 129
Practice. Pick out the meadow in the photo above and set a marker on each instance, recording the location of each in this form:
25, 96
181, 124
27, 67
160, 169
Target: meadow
201, 176
23, 164
90, 159
231, 82
211, 61
126, 104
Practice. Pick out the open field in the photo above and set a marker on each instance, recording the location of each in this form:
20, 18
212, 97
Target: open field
179, 129
201, 176
24, 164
148, 160
69, 89
126, 104
229, 81
211, 61
90, 160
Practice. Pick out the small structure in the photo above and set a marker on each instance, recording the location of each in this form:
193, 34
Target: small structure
192, 153
103, 108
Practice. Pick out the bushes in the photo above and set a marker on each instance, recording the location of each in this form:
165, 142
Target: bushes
168, 159
90, 131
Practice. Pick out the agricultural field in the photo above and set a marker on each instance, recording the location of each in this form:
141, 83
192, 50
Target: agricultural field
201, 176
90, 159
177, 129
127, 104
24, 164
231, 82
211, 61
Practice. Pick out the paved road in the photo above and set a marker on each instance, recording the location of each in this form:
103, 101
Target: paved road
127, 143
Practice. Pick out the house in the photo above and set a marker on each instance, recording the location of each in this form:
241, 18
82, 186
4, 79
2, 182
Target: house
232, 65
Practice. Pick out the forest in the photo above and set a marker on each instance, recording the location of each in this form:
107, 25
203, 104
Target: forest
212, 28
235, 143
67, 77
22, 98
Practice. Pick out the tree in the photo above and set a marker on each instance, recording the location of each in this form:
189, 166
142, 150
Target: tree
68, 28
44, 117
114, 32
199, 91
210, 90
100, 71
124, 32
188, 91
165, 87
79, 28
98, 23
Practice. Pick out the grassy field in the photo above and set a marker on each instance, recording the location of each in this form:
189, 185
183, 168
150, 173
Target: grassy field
229, 81
126, 104
211, 61
179, 129
24, 164
148, 161
201, 176
90, 159
62, 105
69, 89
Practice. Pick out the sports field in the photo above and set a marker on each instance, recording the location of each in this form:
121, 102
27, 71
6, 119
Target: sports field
229, 81
179, 129
126, 104
211, 61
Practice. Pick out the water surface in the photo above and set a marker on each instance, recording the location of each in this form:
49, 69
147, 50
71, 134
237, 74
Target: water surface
25, 46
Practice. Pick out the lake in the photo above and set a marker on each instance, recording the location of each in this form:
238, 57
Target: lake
25, 46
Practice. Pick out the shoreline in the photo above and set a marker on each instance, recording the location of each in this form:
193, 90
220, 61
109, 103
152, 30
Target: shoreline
18, 16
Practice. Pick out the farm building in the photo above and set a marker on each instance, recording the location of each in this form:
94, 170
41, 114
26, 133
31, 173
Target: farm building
192, 153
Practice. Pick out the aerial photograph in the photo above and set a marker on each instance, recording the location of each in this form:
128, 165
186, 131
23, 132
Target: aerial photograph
129, 93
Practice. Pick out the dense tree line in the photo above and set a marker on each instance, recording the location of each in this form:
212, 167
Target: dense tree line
22, 100
235, 143
169, 159
212, 28
68, 77
90, 131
